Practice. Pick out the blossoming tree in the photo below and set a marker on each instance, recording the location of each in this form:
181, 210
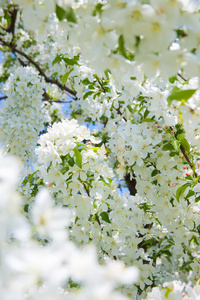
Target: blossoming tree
104, 199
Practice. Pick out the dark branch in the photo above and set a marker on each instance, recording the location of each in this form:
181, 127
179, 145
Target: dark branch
11, 27
3, 98
131, 184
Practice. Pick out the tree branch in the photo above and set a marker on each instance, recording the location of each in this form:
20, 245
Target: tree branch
11, 27
41, 72
3, 98
131, 183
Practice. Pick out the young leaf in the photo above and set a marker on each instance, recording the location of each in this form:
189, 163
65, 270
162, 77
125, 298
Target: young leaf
70, 15
70, 61
147, 120
57, 59
121, 46
176, 146
180, 191
30, 178
49, 166
77, 158
67, 13
105, 217
60, 13
179, 95
87, 94
65, 77
184, 142
168, 147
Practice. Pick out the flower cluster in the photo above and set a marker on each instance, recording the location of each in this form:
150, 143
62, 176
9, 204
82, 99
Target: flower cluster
37, 258
21, 114
128, 180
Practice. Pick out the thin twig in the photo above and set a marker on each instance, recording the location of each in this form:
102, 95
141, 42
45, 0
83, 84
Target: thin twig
181, 76
119, 112
101, 85
86, 189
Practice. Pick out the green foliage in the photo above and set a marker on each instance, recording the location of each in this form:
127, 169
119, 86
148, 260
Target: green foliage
105, 217
67, 14
65, 76
180, 191
184, 143
176, 146
122, 49
69, 61
180, 95
77, 157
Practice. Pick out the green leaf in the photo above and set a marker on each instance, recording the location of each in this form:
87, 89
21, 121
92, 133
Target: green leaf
168, 147
64, 169
147, 120
49, 166
105, 217
180, 191
86, 81
176, 146
121, 46
26, 207
57, 59
146, 113
87, 94
98, 9
130, 108
30, 178
70, 15
184, 142
65, 77
70, 61
173, 79
180, 95
67, 13
77, 158
70, 161
60, 13
190, 194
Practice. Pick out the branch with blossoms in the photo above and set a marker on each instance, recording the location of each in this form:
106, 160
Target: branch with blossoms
185, 154
11, 29
46, 97
64, 88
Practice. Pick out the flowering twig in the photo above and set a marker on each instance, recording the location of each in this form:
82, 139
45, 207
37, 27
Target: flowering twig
185, 155
41, 72
45, 98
